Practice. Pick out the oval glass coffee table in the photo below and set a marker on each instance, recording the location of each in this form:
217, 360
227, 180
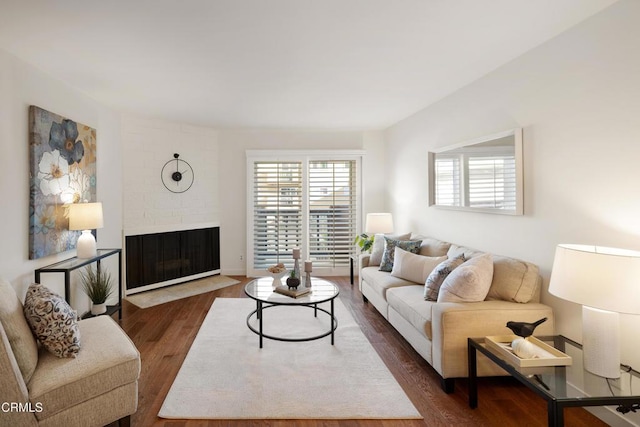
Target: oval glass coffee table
262, 291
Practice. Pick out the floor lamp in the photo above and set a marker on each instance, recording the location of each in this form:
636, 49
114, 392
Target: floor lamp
606, 282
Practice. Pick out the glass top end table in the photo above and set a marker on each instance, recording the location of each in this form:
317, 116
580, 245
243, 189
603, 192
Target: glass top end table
560, 386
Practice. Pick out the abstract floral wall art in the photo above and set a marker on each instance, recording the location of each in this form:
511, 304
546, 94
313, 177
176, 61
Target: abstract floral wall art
62, 171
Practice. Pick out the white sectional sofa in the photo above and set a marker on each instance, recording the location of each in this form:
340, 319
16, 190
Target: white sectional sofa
438, 331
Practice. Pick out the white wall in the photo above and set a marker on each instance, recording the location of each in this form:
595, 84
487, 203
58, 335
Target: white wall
147, 145
22, 85
578, 99
233, 145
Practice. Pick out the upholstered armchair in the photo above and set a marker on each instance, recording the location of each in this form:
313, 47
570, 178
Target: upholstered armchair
37, 388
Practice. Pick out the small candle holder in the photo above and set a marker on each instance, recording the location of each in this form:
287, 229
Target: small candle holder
307, 269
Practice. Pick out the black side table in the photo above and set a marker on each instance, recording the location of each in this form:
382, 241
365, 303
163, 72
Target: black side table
353, 264
68, 265
553, 383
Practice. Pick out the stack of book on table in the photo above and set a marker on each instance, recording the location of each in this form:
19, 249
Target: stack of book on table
293, 293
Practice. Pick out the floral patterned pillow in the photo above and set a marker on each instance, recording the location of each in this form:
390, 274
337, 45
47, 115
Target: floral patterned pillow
390, 246
52, 321
437, 276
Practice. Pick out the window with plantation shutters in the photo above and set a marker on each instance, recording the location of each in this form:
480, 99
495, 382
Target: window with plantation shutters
332, 211
277, 212
310, 201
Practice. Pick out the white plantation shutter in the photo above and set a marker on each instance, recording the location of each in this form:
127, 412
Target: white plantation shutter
448, 182
302, 199
492, 182
332, 211
277, 212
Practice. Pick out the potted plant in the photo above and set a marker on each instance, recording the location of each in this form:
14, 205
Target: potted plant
98, 285
364, 241
293, 281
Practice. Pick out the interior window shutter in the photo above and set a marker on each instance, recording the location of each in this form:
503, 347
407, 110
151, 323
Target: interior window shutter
277, 216
448, 187
492, 182
332, 212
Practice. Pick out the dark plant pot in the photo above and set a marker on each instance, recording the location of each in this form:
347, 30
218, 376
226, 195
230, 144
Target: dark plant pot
293, 282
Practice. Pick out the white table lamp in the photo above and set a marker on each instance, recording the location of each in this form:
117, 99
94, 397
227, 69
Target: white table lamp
606, 282
378, 223
85, 217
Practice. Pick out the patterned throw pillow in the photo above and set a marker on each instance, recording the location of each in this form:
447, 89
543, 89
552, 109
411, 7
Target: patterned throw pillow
390, 245
378, 246
52, 321
437, 276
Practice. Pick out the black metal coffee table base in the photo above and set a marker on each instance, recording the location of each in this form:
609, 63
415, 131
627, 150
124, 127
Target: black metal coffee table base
260, 307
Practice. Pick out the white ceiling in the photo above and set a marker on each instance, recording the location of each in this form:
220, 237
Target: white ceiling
327, 64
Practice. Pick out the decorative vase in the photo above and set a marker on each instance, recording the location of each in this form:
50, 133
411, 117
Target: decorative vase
293, 282
97, 309
296, 268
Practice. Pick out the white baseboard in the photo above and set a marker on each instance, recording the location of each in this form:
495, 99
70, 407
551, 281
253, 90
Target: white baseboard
608, 414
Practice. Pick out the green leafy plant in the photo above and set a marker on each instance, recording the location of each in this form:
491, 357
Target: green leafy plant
97, 285
364, 241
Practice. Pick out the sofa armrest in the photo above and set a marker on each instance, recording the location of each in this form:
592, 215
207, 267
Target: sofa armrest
363, 261
453, 323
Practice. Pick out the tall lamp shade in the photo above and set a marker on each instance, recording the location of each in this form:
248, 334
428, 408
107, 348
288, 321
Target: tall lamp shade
606, 282
379, 223
86, 217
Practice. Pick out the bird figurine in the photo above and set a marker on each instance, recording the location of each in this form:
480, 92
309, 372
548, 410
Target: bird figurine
524, 329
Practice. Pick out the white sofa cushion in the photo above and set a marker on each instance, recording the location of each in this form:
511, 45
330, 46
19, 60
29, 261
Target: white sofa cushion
380, 281
514, 280
431, 246
408, 302
413, 267
470, 282
378, 246
59, 383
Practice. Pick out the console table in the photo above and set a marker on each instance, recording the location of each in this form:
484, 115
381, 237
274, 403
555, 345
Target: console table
68, 265
554, 383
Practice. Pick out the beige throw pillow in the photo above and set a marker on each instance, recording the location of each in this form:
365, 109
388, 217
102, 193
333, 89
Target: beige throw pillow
378, 246
412, 267
470, 282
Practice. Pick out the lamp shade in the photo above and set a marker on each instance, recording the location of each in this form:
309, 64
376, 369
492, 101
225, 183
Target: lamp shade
379, 223
597, 277
85, 216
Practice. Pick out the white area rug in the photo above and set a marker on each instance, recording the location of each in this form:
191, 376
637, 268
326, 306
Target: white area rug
227, 376
174, 292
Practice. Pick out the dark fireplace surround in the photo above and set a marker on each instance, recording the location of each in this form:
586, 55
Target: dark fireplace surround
156, 259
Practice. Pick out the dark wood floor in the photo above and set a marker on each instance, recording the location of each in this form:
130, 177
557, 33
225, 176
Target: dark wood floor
163, 335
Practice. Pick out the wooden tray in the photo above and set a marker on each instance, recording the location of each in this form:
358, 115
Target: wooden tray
497, 343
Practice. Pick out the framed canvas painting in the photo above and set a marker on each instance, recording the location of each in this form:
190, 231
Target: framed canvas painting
62, 171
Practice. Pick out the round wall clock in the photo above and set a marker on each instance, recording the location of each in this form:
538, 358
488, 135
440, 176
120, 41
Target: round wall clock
177, 175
